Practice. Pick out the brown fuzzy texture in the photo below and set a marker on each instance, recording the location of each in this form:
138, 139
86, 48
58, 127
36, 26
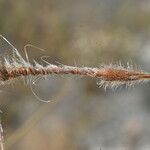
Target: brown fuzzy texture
110, 74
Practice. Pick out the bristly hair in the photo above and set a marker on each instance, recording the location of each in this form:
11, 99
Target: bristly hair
116, 75
108, 75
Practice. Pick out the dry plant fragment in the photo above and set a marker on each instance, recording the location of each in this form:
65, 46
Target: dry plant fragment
1, 137
108, 76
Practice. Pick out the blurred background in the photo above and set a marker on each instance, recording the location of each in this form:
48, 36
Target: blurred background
81, 116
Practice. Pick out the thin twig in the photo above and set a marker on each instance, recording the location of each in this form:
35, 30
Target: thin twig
108, 75
1, 137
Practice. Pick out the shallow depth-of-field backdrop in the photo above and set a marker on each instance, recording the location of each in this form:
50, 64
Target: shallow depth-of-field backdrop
81, 116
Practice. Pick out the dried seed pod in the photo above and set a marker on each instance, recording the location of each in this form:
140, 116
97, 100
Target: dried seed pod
108, 75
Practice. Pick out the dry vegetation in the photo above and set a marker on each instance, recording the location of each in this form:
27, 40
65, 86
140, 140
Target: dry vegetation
80, 115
